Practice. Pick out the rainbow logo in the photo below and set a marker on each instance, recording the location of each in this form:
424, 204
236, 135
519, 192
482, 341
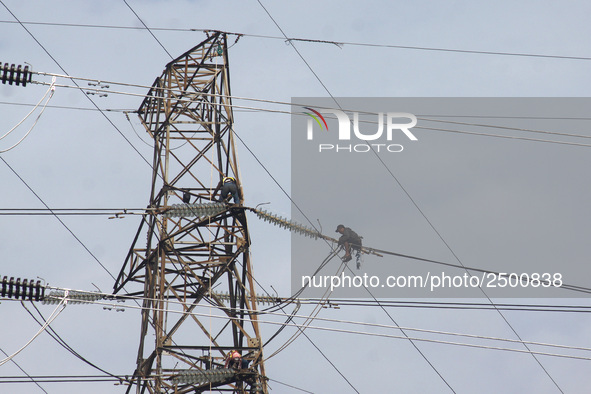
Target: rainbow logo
316, 117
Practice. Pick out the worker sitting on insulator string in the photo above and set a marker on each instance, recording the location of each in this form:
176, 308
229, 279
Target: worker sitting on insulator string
349, 240
229, 188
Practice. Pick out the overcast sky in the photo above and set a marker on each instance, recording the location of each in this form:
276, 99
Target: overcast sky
483, 199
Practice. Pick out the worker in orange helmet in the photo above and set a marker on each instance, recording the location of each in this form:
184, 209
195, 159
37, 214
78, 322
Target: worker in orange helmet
234, 360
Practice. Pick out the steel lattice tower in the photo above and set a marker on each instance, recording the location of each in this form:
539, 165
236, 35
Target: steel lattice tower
188, 113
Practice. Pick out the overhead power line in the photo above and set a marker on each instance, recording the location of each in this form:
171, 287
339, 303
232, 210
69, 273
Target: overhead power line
291, 386
386, 335
94, 298
338, 44
65, 72
337, 303
205, 210
74, 296
30, 378
64, 379
49, 92
113, 213
68, 107
61, 221
426, 118
289, 112
59, 309
63, 343
397, 182
147, 28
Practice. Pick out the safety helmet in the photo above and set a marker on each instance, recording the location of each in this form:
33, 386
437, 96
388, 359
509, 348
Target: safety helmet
229, 179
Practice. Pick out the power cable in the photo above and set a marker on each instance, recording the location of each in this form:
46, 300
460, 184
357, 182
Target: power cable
50, 90
119, 213
290, 386
331, 329
87, 297
295, 204
76, 293
339, 44
75, 83
254, 109
467, 268
416, 127
330, 94
511, 128
459, 261
57, 217
65, 379
386, 326
340, 108
135, 131
68, 107
31, 378
57, 311
417, 207
425, 117
300, 329
61, 379
507, 136
63, 343
26, 134
336, 303
147, 28
109, 120
309, 319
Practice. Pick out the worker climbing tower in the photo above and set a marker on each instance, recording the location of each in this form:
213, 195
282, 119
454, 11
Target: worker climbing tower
193, 272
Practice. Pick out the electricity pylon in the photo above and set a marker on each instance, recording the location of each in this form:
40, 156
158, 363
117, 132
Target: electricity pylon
199, 301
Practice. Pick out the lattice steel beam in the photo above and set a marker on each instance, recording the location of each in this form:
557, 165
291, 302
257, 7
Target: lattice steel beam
188, 113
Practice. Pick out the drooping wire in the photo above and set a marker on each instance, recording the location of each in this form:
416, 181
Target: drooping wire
97, 298
402, 337
63, 343
50, 91
59, 309
398, 182
422, 213
315, 312
67, 294
75, 83
134, 130
51, 87
97, 108
329, 93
